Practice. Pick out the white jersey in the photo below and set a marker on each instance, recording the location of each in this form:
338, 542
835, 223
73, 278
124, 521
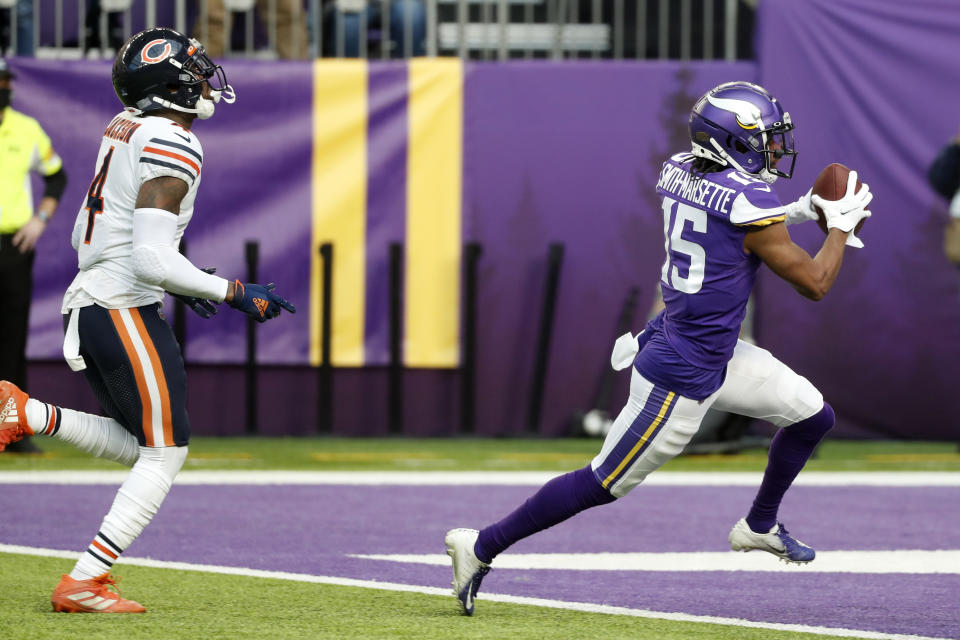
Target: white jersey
133, 151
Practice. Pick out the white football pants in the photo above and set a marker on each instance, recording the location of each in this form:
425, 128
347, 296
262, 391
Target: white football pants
656, 424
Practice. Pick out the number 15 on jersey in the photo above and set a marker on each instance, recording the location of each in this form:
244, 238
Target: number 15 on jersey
675, 217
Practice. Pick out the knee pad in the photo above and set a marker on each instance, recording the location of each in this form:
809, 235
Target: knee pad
161, 465
141, 495
800, 398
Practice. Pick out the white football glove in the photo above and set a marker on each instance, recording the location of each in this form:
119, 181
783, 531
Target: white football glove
847, 212
802, 210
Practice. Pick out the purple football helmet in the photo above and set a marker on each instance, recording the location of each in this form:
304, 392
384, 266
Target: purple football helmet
741, 125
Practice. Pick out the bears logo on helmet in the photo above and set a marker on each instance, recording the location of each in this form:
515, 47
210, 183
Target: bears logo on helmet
163, 69
150, 58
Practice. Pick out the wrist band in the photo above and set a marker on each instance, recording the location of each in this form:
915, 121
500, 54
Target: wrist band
44, 216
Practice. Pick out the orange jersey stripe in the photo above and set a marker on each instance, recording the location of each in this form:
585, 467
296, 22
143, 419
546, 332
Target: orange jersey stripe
146, 405
158, 374
104, 549
175, 156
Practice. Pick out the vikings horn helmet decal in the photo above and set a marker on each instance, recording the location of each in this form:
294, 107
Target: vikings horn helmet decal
740, 124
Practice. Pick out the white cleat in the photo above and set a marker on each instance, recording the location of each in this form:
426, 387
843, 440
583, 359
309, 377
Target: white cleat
777, 541
468, 570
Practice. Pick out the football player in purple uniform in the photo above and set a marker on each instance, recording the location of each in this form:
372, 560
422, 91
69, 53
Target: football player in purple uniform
721, 221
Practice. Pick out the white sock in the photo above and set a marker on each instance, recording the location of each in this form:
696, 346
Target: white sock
97, 435
136, 503
38, 415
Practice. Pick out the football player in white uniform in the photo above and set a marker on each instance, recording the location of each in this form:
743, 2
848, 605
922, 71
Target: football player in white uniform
126, 234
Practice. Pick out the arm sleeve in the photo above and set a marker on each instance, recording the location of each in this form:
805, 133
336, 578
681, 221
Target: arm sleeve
944, 173
156, 262
55, 184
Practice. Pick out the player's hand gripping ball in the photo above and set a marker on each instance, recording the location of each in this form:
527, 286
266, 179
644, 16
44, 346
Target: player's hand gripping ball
831, 184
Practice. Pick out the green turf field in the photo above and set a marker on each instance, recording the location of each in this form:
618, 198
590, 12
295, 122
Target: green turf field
508, 454
187, 604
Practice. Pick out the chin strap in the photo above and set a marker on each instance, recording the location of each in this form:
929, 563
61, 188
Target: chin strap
767, 177
726, 159
228, 95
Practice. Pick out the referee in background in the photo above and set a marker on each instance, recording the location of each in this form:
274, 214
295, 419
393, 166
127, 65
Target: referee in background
24, 147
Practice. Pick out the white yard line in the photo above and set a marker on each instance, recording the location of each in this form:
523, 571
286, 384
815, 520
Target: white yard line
901, 561
493, 597
488, 478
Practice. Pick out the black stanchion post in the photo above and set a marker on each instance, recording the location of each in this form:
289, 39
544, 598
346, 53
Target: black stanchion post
554, 262
468, 361
325, 378
253, 258
395, 381
180, 315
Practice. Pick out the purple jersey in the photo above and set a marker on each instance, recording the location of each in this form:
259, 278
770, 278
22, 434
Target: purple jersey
707, 276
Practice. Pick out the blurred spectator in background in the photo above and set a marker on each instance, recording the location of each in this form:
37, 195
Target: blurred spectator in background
19, 13
342, 19
944, 176
111, 35
23, 147
291, 30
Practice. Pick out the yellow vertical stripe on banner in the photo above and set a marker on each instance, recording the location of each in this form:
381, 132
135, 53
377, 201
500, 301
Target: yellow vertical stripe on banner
434, 162
340, 204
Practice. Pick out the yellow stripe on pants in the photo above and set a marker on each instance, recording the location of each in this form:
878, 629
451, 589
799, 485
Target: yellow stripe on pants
340, 204
434, 175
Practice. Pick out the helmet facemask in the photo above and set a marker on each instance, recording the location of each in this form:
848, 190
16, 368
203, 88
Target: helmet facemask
778, 147
194, 72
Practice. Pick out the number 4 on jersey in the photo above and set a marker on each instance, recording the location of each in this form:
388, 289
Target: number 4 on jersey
674, 242
94, 198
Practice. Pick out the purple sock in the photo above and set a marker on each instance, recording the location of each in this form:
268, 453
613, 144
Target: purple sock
790, 449
559, 499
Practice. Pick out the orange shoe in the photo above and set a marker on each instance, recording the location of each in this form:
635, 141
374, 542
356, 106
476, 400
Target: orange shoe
13, 414
91, 596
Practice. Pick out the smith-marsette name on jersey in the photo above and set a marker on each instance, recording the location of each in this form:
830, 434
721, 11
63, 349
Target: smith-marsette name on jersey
121, 129
709, 195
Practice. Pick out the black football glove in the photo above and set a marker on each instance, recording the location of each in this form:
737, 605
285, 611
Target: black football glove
259, 301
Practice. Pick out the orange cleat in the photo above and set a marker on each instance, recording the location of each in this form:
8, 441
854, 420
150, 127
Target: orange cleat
91, 596
13, 414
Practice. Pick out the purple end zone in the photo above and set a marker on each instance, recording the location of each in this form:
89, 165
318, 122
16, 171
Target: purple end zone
311, 529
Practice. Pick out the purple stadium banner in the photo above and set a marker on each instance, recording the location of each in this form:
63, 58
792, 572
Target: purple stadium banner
386, 195
874, 85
